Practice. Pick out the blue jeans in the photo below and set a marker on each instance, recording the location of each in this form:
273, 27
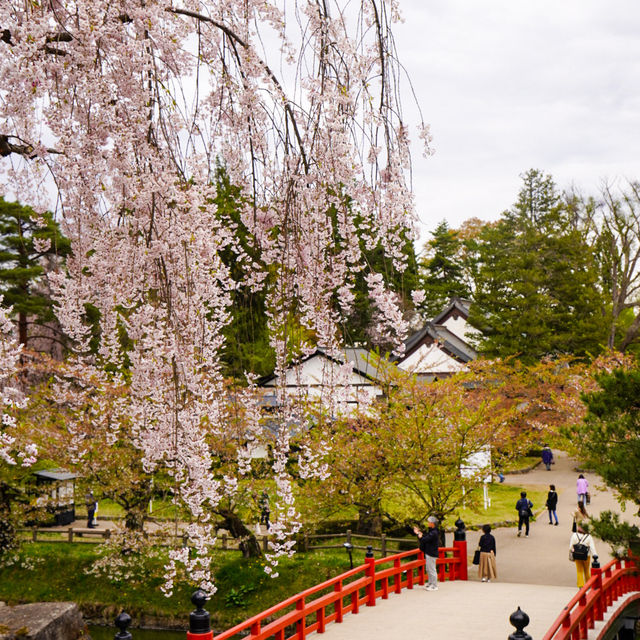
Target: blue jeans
552, 512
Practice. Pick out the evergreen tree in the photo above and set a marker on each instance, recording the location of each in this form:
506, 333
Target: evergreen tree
608, 442
536, 281
442, 271
29, 243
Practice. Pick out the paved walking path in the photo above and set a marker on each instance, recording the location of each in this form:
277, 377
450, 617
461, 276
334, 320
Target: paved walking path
534, 573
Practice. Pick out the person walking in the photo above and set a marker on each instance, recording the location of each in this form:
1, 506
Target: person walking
523, 507
579, 515
90, 502
581, 547
552, 503
487, 570
547, 456
429, 543
582, 488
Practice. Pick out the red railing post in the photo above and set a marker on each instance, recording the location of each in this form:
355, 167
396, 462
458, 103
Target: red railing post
460, 552
598, 608
301, 624
397, 579
421, 570
337, 587
583, 621
370, 571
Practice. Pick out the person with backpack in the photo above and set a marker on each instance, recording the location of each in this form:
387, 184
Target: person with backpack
523, 507
552, 503
581, 546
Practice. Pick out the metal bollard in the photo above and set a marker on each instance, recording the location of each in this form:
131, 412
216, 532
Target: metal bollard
199, 620
122, 622
519, 619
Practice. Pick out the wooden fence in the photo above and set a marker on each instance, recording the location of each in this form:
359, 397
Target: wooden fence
306, 542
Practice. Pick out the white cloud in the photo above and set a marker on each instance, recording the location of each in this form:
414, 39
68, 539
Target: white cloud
510, 85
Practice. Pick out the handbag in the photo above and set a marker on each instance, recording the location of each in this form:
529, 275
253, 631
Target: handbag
588, 498
476, 556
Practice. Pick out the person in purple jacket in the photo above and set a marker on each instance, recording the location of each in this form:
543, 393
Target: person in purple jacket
582, 487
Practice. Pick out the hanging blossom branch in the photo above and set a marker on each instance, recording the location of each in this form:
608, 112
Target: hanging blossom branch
12, 452
131, 112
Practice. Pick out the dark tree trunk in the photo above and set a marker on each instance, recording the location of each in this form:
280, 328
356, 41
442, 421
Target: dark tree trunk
22, 328
248, 543
369, 522
134, 518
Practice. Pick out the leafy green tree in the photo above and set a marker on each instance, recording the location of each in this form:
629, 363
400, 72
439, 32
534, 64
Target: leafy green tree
442, 272
30, 243
536, 280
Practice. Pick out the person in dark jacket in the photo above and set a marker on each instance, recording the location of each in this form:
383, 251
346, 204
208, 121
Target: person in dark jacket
487, 544
552, 503
429, 543
523, 507
547, 457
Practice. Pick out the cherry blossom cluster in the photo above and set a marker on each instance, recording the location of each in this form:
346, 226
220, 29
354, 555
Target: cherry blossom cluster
12, 452
122, 112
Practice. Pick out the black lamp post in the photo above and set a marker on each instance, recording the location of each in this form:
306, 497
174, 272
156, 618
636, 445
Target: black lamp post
349, 547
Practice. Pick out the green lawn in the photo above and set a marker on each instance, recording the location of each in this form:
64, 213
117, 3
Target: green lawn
243, 587
503, 501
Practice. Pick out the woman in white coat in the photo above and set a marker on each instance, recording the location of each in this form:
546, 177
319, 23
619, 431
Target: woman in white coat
581, 537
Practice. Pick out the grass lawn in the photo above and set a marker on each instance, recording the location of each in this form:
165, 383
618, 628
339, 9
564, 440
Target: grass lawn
244, 588
503, 501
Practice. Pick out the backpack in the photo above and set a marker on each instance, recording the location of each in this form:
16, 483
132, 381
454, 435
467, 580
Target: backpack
581, 550
525, 508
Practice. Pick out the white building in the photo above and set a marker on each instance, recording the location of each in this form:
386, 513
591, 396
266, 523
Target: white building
442, 347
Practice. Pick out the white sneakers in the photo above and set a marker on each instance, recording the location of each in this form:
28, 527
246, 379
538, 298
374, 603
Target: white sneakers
431, 587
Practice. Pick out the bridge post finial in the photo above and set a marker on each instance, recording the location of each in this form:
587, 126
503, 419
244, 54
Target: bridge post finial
199, 620
519, 619
122, 622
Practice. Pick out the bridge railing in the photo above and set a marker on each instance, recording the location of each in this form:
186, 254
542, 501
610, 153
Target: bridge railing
592, 601
330, 601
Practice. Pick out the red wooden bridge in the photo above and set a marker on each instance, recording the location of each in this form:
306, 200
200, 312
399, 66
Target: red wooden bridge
458, 609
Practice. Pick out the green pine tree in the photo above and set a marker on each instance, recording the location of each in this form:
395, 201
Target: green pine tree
608, 442
536, 280
442, 273
29, 243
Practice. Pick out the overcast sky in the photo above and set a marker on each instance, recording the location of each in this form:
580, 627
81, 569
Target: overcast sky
508, 85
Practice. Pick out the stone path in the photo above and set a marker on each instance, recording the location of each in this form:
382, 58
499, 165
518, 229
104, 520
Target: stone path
533, 573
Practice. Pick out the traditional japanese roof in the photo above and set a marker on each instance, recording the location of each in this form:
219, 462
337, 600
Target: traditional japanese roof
55, 474
441, 347
365, 363
456, 307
